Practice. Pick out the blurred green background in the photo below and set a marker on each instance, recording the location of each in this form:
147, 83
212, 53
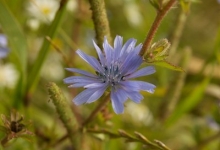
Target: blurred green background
190, 121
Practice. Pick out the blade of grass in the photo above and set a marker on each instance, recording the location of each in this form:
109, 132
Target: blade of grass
18, 48
188, 103
15, 35
52, 30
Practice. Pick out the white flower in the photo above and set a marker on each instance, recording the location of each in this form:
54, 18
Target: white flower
71, 5
133, 14
43, 10
53, 64
139, 113
8, 76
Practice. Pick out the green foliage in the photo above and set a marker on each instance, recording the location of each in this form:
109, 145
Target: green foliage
18, 48
158, 53
155, 4
177, 114
51, 32
17, 39
188, 103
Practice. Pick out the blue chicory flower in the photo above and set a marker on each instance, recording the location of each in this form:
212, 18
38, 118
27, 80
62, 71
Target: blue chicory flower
114, 69
3, 46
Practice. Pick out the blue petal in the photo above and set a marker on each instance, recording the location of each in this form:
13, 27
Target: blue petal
122, 95
3, 40
81, 72
128, 46
84, 96
137, 86
85, 84
117, 105
135, 96
118, 42
131, 64
100, 54
137, 49
90, 60
3, 52
79, 84
108, 51
96, 95
131, 46
95, 85
123, 52
75, 79
142, 72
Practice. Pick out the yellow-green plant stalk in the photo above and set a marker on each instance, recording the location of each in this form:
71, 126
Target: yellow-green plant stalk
100, 20
64, 110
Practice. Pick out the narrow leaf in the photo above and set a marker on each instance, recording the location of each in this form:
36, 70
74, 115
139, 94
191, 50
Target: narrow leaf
52, 30
15, 35
168, 65
18, 48
188, 103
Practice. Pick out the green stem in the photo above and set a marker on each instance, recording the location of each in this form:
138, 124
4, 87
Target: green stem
173, 94
52, 30
160, 15
177, 32
104, 101
64, 110
100, 21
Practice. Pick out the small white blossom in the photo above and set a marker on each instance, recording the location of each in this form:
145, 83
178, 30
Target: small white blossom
8, 76
43, 10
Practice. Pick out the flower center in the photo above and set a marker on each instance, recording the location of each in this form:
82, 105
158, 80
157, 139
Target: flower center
111, 75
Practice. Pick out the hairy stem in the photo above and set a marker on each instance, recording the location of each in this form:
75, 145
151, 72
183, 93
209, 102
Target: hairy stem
100, 21
64, 110
160, 15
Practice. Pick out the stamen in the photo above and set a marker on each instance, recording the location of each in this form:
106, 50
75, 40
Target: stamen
111, 74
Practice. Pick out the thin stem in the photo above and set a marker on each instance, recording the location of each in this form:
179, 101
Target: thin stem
60, 140
5, 141
100, 21
172, 95
160, 15
177, 33
57, 49
104, 101
34, 75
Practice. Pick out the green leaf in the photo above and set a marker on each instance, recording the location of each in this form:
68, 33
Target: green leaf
52, 30
189, 102
18, 48
155, 4
168, 65
17, 40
